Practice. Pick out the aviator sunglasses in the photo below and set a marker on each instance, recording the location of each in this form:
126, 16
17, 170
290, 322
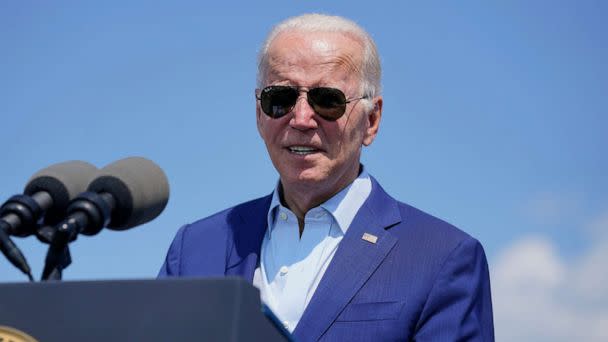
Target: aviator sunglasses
330, 103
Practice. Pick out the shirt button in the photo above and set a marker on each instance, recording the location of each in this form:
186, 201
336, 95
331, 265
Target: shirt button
286, 325
284, 270
283, 216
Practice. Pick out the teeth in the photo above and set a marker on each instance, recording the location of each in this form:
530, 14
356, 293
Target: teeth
302, 149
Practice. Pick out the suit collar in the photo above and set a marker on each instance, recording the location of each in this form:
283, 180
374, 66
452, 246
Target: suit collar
355, 255
247, 235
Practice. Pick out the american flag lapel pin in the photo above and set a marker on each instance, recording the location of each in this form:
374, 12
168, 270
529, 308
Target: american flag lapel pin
369, 237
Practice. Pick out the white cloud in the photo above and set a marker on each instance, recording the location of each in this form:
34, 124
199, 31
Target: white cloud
538, 296
591, 275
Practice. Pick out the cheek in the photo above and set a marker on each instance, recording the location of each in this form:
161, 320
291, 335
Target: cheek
355, 132
349, 141
269, 131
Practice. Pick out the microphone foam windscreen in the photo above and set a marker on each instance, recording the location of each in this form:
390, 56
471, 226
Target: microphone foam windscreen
63, 182
140, 189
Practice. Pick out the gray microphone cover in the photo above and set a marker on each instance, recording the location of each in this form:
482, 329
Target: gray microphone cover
139, 187
63, 182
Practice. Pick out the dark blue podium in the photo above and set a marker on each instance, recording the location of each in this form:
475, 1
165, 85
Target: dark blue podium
226, 309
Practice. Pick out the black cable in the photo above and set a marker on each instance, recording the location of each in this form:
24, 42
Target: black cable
12, 252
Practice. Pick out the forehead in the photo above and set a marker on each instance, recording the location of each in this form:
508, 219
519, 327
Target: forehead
310, 56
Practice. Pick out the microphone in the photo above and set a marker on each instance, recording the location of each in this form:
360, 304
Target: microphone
47, 193
125, 194
139, 188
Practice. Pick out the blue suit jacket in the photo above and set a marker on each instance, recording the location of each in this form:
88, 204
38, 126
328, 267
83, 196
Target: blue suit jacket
423, 279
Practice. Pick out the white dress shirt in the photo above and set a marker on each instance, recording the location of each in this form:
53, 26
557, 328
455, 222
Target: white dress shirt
292, 266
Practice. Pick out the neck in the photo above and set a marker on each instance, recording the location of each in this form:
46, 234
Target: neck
300, 198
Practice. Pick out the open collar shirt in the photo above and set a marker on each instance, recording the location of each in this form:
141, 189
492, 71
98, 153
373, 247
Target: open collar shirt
291, 266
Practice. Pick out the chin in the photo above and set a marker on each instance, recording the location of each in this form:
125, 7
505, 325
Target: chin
310, 176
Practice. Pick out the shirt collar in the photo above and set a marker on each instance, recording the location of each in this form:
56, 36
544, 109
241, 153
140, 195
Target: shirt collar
343, 206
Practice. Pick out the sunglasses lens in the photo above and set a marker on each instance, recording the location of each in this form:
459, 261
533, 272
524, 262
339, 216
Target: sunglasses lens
276, 101
329, 103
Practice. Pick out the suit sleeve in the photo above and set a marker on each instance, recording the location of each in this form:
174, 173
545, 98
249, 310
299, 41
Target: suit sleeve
171, 266
459, 306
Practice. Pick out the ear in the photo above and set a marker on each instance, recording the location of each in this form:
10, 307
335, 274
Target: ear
373, 121
258, 118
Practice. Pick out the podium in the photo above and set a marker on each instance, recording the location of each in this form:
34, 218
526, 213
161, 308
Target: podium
190, 309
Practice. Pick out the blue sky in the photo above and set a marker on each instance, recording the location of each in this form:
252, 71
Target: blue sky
495, 119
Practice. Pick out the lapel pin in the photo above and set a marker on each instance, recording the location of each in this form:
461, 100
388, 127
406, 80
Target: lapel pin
369, 238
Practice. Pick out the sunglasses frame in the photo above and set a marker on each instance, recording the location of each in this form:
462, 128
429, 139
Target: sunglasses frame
320, 110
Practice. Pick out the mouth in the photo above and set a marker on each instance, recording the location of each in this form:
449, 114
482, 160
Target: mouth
302, 150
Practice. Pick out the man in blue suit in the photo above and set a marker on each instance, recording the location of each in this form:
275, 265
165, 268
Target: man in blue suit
334, 256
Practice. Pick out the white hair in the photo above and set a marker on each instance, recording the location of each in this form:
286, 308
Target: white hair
370, 68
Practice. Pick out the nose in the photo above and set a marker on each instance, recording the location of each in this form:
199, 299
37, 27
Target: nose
303, 115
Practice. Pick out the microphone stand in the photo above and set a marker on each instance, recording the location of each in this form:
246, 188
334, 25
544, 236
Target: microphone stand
57, 258
60, 259
58, 255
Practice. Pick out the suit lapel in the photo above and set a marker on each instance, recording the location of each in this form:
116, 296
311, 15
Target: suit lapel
247, 235
354, 262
